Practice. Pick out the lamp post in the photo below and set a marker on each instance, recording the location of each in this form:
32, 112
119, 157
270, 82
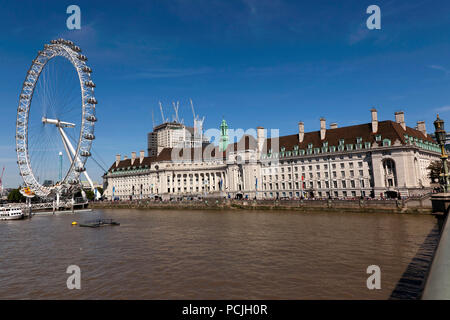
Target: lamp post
440, 137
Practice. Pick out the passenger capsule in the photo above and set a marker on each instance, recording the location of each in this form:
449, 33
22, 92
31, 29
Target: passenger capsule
89, 84
89, 136
87, 69
92, 101
82, 57
85, 153
91, 118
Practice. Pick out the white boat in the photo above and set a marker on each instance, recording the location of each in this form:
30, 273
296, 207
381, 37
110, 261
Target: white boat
10, 213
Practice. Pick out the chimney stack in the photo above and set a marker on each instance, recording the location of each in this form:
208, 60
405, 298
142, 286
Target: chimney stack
117, 159
374, 120
125, 158
334, 125
133, 157
421, 127
141, 156
400, 119
260, 135
323, 128
301, 131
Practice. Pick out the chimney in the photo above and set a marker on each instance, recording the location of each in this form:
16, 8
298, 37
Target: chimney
400, 119
323, 128
125, 158
334, 125
301, 131
117, 159
374, 120
421, 127
260, 135
133, 157
141, 156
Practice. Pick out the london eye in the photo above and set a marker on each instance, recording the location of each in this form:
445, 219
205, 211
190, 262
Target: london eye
56, 113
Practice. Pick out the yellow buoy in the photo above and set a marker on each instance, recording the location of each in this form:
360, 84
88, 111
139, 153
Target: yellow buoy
74, 223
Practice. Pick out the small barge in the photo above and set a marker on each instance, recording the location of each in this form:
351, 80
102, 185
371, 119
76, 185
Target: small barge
99, 223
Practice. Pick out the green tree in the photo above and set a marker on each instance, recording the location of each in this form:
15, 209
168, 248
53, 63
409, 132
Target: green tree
435, 168
90, 195
16, 196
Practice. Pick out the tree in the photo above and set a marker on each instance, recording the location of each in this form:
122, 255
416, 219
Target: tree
90, 195
436, 169
16, 196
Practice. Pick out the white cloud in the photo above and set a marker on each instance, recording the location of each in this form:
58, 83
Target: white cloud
443, 109
440, 68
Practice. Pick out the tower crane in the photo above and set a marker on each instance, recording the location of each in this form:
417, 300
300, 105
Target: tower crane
1, 181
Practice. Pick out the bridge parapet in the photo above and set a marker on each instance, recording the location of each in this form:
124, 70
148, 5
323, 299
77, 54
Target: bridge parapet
437, 286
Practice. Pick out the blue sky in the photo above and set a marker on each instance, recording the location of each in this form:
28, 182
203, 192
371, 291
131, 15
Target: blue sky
264, 63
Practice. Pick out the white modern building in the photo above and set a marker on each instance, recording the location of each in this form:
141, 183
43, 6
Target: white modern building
173, 135
376, 159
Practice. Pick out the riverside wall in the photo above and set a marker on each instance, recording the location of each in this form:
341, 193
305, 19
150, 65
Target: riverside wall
420, 205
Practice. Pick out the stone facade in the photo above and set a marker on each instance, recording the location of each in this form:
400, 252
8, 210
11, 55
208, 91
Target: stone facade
376, 159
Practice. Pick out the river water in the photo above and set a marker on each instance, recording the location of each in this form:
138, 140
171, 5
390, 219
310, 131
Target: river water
182, 254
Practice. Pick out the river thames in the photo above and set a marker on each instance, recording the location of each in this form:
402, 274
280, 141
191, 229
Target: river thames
180, 254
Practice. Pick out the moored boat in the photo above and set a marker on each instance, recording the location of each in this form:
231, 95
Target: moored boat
11, 213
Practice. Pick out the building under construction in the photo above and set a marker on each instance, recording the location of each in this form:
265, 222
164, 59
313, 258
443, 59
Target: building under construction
171, 134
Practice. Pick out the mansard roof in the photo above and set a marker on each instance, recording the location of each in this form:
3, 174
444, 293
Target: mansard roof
126, 163
386, 129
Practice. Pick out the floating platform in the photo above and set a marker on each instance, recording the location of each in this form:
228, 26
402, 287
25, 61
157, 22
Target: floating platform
99, 223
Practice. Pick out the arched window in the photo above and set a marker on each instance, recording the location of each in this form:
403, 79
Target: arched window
390, 174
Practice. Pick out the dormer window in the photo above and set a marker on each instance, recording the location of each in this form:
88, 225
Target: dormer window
386, 143
296, 147
341, 142
310, 145
358, 140
378, 137
325, 144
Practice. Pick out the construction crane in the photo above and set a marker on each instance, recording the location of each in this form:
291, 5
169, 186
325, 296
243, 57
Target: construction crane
162, 113
198, 123
176, 107
192, 106
1, 181
153, 119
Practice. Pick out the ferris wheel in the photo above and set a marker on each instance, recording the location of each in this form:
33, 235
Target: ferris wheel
56, 113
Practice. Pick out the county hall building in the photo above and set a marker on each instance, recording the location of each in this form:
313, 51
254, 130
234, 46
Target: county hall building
378, 159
